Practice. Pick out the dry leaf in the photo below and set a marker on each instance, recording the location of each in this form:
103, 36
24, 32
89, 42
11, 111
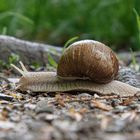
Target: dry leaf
16, 96
83, 111
59, 99
100, 105
128, 101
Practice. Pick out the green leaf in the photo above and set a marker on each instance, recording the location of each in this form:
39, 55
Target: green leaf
35, 65
70, 41
18, 15
13, 58
138, 21
51, 61
133, 57
4, 31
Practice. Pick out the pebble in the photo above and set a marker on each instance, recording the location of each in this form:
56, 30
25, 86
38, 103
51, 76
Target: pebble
115, 102
15, 118
30, 106
46, 117
133, 106
65, 125
42, 106
7, 125
85, 95
120, 109
115, 126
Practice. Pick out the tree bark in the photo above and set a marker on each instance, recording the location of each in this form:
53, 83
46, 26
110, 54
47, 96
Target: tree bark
29, 52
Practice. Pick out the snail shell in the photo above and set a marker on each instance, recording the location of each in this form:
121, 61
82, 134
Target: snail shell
88, 59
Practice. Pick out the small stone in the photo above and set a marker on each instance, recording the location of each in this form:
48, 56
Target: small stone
15, 118
46, 117
133, 106
51, 117
92, 106
115, 102
30, 106
17, 105
115, 126
84, 95
96, 96
6, 125
13, 80
120, 109
65, 125
42, 106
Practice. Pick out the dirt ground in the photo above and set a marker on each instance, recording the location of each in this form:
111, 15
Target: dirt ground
67, 116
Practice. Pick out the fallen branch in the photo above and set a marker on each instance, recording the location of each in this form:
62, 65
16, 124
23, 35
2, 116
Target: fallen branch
29, 52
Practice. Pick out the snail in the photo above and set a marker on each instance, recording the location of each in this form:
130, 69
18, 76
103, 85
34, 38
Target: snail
86, 65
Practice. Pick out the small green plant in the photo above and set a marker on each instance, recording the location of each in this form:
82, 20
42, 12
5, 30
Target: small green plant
2, 64
138, 23
133, 57
35, 65
12, 59
69, 42
17, 15
134, 63
51, 61
4, 30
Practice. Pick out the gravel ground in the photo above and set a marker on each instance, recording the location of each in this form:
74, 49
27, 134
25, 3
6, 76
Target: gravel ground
67, 116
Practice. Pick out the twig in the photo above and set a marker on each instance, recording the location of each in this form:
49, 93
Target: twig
5, 97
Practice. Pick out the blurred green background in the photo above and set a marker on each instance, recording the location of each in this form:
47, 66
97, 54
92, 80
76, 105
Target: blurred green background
56, 21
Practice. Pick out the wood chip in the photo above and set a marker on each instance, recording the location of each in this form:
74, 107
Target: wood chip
101, 106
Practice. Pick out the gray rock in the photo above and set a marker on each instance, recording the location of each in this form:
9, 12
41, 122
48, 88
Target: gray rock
129, 76
42, 106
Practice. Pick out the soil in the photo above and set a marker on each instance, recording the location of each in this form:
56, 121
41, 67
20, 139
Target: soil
67, 116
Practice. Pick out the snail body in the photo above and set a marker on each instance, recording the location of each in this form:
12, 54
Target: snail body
49, 82
84, 66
